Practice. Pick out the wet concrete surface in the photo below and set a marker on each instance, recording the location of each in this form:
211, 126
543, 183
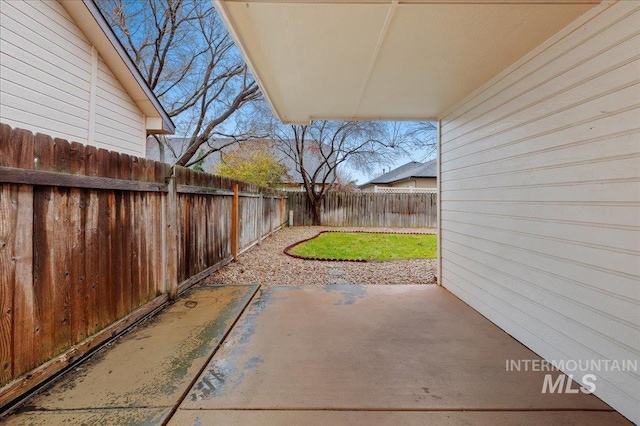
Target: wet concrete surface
337, 355
407, 354
99, 416
141, 376
391, 418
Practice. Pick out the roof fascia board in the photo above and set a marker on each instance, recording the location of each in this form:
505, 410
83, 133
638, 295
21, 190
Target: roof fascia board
226, 18
98, 39
376, 53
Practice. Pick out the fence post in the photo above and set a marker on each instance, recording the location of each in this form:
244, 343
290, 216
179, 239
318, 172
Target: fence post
234, 222
171, 238
260, 219
281, 210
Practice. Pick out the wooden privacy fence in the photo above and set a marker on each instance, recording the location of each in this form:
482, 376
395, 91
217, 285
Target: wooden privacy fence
92, 240
368, 209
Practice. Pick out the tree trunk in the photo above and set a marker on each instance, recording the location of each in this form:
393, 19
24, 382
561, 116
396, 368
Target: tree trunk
317, 214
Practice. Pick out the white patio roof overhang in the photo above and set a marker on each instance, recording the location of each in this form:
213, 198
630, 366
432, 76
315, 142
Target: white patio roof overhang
384, 59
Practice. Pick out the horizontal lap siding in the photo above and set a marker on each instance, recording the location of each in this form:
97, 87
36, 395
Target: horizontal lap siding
119, 123
540, 178
45, 68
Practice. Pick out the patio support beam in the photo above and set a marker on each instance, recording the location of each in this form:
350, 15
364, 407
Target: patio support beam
376, 54
439, 202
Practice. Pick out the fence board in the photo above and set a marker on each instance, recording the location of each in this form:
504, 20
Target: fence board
8, 218
84, 242
44, 279
24, 350
77, 241
92, 253
367, 209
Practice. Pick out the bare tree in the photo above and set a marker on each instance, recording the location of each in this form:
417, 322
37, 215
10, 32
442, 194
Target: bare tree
320, 150
190, 62
424, 136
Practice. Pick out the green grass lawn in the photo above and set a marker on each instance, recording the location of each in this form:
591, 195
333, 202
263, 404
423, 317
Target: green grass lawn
369, 246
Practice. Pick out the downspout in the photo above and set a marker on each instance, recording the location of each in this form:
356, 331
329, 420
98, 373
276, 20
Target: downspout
439, 203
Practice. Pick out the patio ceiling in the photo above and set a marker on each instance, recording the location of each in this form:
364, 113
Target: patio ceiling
384, 59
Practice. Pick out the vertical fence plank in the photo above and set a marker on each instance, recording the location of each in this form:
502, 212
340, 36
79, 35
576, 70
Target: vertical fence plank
143, 247
149, 214
77, 244
114, 202
135, 227
105, 303
61, 253
91, 244
187, 248
44, 297
234, 223
160, 176
123, 238
24, 314
8, 230
171, 239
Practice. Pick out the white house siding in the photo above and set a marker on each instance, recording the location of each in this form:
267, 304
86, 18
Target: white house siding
417, 183
119, 124
540, 177
45, 80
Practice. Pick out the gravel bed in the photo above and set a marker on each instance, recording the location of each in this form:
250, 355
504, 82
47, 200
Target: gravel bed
267, 264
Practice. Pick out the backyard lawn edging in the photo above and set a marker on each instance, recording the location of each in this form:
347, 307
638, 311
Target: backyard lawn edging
288, 249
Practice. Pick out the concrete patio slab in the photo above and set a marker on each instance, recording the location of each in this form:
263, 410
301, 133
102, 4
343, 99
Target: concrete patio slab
410, 352
141, 377
414, 418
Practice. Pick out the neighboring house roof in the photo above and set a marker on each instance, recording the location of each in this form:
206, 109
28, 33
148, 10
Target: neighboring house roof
427, 170
395, 174
410, 170
95, 27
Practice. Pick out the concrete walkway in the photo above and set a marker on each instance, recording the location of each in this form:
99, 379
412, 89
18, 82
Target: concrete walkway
339, 355
144, 374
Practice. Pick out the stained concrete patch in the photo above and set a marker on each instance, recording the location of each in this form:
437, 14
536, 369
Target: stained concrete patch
111, 417
224, 374
388, 348
153, 365
372, 418
350, 293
